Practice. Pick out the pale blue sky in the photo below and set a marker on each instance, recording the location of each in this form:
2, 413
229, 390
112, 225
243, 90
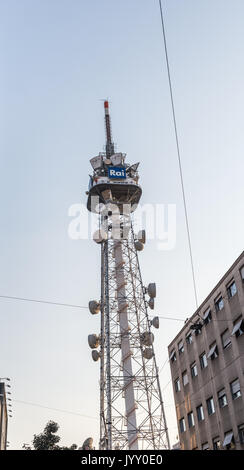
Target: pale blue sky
59, 58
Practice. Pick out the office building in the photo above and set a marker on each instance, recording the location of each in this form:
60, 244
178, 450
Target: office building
207, 367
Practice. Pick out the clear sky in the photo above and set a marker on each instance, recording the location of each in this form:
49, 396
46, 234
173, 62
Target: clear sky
58, 59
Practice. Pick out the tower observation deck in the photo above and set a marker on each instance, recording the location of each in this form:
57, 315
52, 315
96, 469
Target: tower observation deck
131, 406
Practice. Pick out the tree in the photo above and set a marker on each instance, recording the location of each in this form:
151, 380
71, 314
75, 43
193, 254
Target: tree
48, 440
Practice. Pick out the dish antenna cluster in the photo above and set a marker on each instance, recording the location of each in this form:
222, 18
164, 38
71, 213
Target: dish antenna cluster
131, 406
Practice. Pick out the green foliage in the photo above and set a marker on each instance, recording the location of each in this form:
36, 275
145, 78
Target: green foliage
72, 447
48, 440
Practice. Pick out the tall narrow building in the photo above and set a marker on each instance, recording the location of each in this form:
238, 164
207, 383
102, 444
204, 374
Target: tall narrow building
3, 417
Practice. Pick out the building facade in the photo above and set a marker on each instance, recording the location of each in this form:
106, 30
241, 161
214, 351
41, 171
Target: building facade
3, 417
207, 368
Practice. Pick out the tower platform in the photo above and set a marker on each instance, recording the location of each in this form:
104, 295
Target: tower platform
125, 192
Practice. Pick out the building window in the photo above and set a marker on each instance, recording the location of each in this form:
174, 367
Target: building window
181, 347
235, 389
205, 446
241, 433
190, 417
222, 398
177, 385
189, 338
225, 338
200, 414
172, 356
219, 304
216, 443
242, 273
207, 316
232, 289
210, 405
238, 329
194, 369
203, 360
229, 441
213, 351
185, 378
182, 425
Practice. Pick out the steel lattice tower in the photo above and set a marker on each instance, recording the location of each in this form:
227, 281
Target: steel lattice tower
131, 406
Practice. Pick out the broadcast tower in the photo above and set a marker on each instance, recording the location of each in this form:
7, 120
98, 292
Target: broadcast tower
131, 406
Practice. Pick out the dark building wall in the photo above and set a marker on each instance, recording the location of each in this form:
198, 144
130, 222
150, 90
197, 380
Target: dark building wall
3, 417
219, 373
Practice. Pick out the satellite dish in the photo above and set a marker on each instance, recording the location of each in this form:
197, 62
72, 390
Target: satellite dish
95, 355
147, 353
151, 289
139, 246
96, 162
155, 322
87, 444
93, 341
94, 307
100, 236
135, 166
117, 159
151, 303
147, 338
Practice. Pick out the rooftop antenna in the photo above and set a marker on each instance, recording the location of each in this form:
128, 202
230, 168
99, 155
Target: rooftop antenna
109, 143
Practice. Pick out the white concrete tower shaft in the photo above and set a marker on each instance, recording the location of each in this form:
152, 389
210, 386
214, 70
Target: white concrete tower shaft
126, 353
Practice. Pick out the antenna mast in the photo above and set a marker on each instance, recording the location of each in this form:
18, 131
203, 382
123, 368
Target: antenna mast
131, 406
109, 143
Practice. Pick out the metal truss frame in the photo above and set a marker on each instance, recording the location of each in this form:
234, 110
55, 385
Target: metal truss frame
131, 406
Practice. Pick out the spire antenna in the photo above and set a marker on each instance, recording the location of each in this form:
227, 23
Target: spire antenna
109, 143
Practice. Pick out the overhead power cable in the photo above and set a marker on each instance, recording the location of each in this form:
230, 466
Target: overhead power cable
170, 381
42, 301
61, 304
164, 364
178, 151
54, 409
11, 297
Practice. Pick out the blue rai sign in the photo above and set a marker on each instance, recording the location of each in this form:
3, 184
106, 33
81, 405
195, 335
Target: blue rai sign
116, 172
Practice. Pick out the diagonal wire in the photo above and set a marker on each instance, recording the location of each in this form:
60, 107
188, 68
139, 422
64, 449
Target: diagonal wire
178, 151
38, 405
41, 301
48, 302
